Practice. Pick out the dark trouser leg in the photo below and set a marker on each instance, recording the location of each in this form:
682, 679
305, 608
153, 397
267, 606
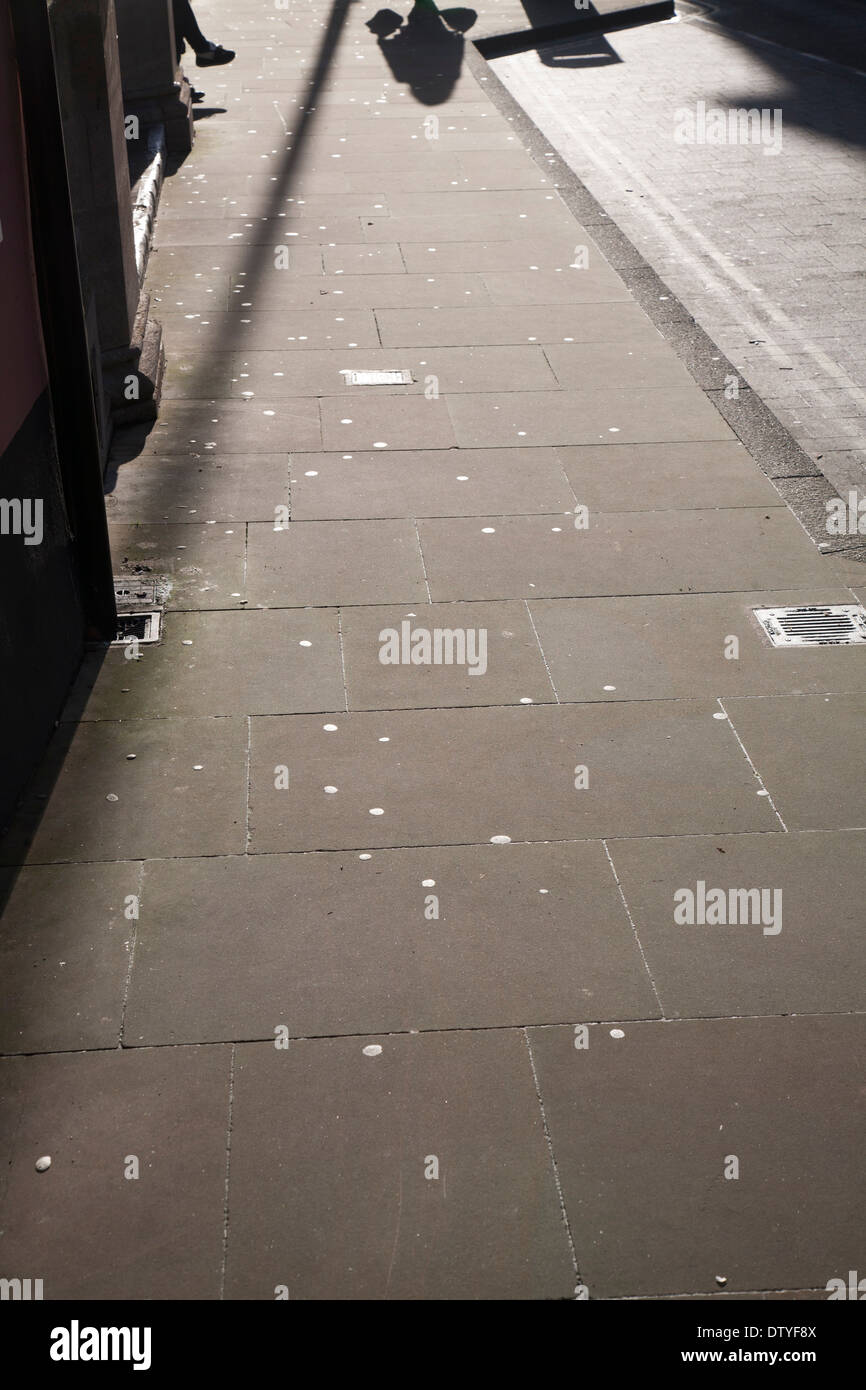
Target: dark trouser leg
186, 27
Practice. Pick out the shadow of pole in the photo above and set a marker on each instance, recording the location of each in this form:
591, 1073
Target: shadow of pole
261, 253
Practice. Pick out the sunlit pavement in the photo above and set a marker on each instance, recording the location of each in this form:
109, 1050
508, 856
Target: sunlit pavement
344, 971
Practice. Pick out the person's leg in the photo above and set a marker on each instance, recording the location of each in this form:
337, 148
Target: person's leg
186, 27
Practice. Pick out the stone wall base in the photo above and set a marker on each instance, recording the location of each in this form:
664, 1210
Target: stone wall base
132, 377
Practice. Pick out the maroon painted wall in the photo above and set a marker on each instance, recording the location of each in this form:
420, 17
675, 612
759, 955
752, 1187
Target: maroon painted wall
24, 376
41, 623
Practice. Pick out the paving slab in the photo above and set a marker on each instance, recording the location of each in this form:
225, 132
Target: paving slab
643, 1127
209, 290
445, 227
655, 477
501, 169
801, 951
182, 792
386, 101
353, 422
416, 167
622, 415
569, 285
65, 950
524, 204
601, 366
821, 787
260, 199
184, 263
331, 944
393, 121
279, 375
235, 427
270, 329
490, 656
403, 109
497, 256
584, 323
440, 777
361, 291
275, 661
204, 564
625, 553
673, 647
427, 482
85, 1227
219, 487
329, 562
339, 1207
181, 293
389, 172
220, 151
219, 229
405, 136
360, 258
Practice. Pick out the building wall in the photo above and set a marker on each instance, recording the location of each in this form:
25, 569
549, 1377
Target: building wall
41, 626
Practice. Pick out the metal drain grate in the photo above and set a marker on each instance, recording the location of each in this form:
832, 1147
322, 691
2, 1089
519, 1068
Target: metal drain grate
142, 626
399, 377
140, 602
134, 591
830, 625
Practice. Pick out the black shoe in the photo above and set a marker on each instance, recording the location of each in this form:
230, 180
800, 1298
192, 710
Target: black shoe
215, 55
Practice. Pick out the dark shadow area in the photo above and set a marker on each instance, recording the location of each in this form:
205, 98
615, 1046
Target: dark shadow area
553, 20
835, 30
593, 52
201, 113
426, 50
21, 829
540, 13
138, 156
783, 35
126, 444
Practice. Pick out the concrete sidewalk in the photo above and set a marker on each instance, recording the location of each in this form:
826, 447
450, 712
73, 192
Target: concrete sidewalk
373, 969
768, 254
